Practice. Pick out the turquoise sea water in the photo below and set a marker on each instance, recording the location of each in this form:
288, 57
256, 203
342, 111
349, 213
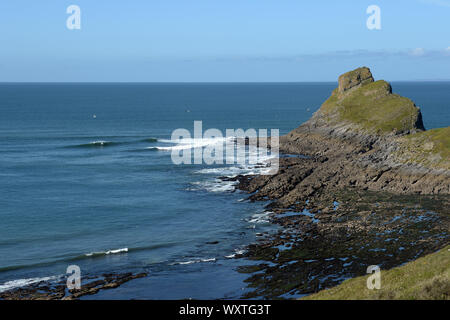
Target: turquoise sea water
86, 178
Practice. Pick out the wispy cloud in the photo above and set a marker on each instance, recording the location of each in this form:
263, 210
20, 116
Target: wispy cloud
414, 53
417, 52
411, 53
447, 52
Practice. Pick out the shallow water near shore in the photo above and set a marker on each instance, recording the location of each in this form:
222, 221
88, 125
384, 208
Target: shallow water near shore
86, 178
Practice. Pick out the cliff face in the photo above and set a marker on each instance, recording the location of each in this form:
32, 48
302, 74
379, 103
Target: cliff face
354, 79
364, 119
367, 106
369, 173
365, 136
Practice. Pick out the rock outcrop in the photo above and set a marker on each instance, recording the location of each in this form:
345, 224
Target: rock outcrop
354, 79
363, 105
371, 138
356, 188
363, 137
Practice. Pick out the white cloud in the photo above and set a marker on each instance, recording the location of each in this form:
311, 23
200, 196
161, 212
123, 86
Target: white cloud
447, 52
417, 52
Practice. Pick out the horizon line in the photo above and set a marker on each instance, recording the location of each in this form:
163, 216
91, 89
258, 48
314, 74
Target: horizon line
200, 82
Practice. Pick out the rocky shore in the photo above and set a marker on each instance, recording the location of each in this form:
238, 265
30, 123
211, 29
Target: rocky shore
361, 183
45, 290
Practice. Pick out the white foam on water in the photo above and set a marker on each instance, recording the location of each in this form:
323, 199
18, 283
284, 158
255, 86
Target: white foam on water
262, 217
215, 185
224, 172
117, 251
114, 251
218, 185
195, 261
177, 147
257, 161
194, 141
254, 154
25, 282
184, 144
100, 142
236, 252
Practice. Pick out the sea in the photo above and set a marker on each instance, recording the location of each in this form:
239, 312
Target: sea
87, 179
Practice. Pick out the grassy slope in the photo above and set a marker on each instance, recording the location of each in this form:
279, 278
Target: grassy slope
429, 148
424, 278
373, 108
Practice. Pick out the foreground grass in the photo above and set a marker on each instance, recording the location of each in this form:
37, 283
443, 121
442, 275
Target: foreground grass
425, 278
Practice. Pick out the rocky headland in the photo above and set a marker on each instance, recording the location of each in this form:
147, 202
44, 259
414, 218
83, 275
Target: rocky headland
361, 183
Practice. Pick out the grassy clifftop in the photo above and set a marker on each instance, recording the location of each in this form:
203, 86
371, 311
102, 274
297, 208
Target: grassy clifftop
430, 148
367, 106
370, 106
425, 278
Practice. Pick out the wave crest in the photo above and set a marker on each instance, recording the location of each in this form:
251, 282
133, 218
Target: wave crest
25, 282
103, 253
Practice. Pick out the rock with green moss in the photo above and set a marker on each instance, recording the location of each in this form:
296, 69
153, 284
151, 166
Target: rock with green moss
371, 186
370, 181
368, 106
354, 79
363, 127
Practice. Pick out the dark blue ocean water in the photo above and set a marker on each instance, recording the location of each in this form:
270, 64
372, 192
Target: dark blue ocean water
73, 186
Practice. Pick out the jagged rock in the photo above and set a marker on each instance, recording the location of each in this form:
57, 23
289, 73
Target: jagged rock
354, 79
366, 138
47, 291
362, 106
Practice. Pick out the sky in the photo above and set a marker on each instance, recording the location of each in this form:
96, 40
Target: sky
222, 41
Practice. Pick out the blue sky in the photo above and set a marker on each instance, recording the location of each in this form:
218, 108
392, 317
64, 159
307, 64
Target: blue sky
228, 40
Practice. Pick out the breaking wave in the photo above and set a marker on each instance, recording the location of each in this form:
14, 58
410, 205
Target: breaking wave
236, 252
184, 144
103, 253
25, 282
199, 260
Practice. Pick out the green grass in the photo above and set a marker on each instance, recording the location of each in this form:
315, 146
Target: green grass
429, 148
374, 108
425, 278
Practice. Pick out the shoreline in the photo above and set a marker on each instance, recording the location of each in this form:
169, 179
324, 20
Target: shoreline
346, 196
426, 278
333, 237
360, 193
